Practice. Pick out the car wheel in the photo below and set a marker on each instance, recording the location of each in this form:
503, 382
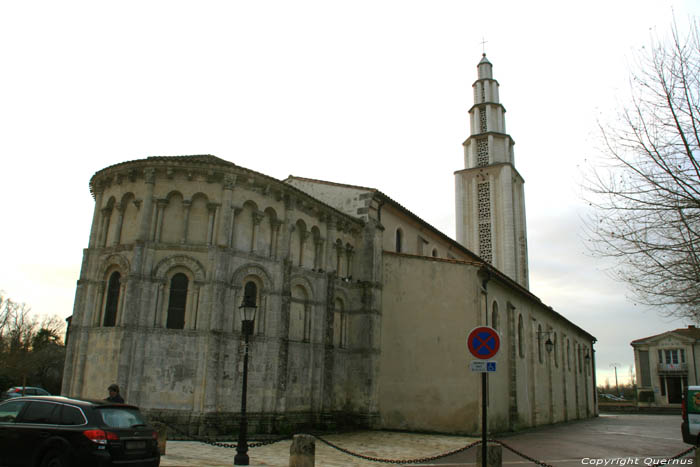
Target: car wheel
54, 458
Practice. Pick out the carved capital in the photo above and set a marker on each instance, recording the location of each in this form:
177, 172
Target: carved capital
229, 181
212, 206
258, 217
149, 175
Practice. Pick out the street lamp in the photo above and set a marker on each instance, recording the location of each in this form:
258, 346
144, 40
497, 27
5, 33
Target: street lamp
248, 308
548, 344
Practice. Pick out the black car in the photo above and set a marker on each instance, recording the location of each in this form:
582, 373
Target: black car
54, 431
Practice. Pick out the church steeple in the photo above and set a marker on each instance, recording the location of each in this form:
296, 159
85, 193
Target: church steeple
489, 194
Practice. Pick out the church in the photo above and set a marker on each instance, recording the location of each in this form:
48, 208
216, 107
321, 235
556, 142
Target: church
362, 307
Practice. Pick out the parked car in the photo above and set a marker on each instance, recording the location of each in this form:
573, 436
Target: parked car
55, 431
19, 391
690, 411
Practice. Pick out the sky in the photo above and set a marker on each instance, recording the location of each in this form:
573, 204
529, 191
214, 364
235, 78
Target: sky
372, 93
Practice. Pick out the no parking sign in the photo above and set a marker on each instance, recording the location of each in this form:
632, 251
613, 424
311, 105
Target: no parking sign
483, 342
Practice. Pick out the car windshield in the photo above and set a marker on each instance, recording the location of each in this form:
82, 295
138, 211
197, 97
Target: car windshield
121, 417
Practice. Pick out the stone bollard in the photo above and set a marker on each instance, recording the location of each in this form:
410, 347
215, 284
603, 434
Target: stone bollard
494, 456
302, 452
162, 431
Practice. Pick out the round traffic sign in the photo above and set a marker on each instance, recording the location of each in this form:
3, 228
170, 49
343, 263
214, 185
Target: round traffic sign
483, 342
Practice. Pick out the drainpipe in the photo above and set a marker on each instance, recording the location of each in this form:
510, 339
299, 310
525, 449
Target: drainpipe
695, 365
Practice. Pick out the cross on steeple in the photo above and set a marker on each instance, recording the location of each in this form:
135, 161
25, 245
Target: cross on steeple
483, 45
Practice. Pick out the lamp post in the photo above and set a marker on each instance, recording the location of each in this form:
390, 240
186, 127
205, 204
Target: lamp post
617, 386
247, 325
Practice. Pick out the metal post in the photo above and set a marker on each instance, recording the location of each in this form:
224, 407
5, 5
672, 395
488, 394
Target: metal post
483, 419
242, 446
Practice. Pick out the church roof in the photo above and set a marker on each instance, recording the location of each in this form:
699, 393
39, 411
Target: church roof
690, 332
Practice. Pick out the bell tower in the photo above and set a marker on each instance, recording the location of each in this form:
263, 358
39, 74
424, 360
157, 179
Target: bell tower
490, 199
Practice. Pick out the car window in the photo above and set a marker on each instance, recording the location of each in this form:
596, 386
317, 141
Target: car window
121, 417
72, 416
30, 392
40, 412
42, 392
10, 410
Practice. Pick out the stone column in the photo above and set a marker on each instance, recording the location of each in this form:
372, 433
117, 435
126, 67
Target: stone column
225, 224
104, 230
186, 205
96, 219
147, 207
330, 246
257, 218
274, 242
318, 254
120, 220
235, 212
212, 219
160, 211
303, 236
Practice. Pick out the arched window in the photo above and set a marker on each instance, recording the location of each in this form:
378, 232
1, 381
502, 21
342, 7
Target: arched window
539, 342
399, 240
494, 316
521, 347
177, 302
250, 293
435, 253
112, 301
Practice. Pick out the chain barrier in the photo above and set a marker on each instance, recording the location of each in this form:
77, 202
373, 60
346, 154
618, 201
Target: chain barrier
420, 460
201, 439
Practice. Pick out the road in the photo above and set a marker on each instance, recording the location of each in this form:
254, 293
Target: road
631, 438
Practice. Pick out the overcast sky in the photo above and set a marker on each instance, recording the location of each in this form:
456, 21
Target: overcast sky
373, 93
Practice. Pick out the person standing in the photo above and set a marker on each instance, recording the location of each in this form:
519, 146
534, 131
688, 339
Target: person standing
114, 394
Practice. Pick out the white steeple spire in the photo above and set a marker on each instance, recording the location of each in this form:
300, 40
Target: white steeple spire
489, 194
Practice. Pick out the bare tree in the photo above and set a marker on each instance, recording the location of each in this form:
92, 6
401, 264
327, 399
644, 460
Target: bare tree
30, 351
647, 191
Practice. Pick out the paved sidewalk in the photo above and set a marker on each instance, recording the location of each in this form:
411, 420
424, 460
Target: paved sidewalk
384, 444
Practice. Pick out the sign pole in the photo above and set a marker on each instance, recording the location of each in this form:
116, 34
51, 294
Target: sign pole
483, 419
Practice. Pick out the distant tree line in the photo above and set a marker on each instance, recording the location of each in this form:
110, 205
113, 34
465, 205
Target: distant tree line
32, 352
